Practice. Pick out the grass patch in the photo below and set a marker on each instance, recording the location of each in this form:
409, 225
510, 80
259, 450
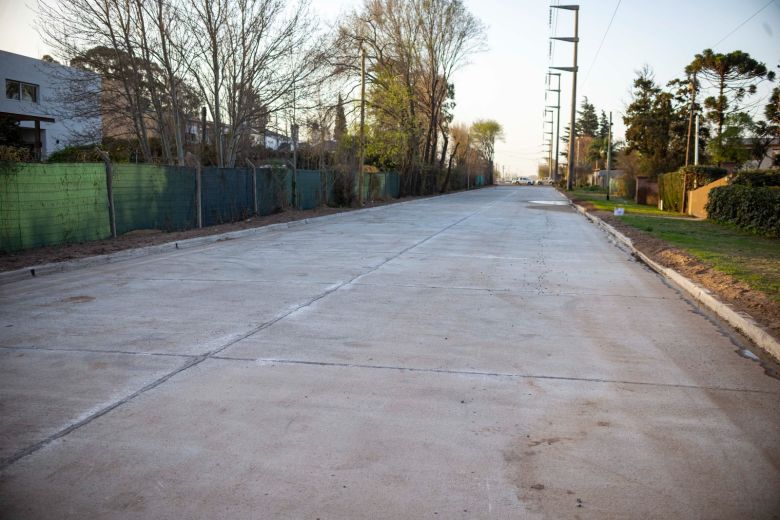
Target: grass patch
600, 202
753, 259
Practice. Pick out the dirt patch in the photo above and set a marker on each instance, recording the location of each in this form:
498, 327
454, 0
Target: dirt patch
150, 237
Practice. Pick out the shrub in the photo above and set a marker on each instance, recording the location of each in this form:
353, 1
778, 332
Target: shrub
71, 154
755, 209
670, 185
756, 178
14, 154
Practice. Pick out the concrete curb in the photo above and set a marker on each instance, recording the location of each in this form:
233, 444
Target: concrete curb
740, 321
25, 273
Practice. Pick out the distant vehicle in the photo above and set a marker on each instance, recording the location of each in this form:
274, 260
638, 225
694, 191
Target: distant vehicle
524, 181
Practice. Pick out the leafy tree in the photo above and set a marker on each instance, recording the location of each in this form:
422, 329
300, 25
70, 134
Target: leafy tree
587, 121
651, 121
762, 136
730, 147
734, 75
484, 134
772, 114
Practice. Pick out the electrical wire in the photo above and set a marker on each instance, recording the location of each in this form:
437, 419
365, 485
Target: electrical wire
604, 37
738, 27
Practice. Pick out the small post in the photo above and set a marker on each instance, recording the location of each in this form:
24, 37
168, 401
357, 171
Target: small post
109, 190
254, 185
198, 194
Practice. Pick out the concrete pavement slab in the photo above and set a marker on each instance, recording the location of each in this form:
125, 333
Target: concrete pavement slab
43, 392
476, 355
241, 440
509, 332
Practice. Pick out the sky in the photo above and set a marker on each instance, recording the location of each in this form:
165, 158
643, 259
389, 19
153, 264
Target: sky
507, 82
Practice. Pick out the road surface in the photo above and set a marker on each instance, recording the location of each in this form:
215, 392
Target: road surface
487, 354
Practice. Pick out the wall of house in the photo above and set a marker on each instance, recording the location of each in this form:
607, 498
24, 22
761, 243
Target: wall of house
70, 96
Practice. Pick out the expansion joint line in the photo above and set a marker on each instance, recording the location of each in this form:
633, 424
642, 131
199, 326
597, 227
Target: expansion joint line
197, 360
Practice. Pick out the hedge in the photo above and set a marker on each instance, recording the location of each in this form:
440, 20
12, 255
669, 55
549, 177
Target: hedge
756, 209
756, 178
670, 184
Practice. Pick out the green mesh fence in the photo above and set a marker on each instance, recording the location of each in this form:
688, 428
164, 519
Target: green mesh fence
226, 194
154, 197
308, 189
47, 204
274, 190
381, 186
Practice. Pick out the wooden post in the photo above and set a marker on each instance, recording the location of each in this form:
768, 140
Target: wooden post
198, 194
254, 186
109, 190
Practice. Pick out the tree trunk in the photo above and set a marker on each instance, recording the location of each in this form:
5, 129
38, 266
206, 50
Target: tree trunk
445, 185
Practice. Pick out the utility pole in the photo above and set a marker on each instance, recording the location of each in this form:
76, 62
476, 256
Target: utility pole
690, 120
557, 107
573, 69
550, 133
609, 153
203, 134
294, 136
362, 123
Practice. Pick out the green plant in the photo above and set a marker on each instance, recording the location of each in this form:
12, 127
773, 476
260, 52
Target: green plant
71, 154
670, 185
756, 209
757, 178
14, 154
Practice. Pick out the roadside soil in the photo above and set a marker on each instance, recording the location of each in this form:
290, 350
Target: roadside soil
150, 237
728, 289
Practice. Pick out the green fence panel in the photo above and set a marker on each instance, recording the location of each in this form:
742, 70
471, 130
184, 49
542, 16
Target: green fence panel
393, 184
479, 180
154, 197
374, 186
226, 194
308, 189
48, 204
274, 190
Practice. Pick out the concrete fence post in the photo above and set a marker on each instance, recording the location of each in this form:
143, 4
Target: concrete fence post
109, 191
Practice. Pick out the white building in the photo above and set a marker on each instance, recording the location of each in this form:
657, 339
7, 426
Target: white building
56, 106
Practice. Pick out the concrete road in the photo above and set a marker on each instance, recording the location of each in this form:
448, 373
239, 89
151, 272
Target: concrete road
480, 355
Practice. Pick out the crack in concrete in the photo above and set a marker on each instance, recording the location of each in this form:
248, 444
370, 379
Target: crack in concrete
196, 360
489, 374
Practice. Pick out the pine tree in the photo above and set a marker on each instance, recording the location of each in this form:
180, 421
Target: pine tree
603, 126
587, 120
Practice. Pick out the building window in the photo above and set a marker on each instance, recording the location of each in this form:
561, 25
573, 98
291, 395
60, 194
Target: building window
19, 90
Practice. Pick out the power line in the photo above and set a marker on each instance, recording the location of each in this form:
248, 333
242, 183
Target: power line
738, 27
602, 42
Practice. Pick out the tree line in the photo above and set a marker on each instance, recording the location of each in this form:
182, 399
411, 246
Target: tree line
736, 128
269, 66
